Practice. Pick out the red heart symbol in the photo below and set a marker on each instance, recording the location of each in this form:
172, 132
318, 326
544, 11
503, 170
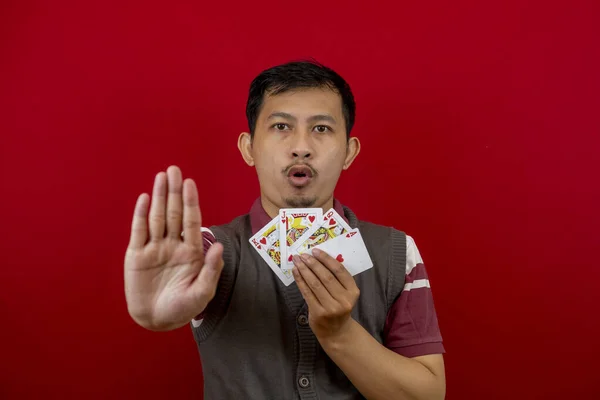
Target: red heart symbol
311, 219
340, 258
263, 241
290, 258
332, 221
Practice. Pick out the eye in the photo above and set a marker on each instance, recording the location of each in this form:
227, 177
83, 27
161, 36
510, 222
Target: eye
280, 126
322, 128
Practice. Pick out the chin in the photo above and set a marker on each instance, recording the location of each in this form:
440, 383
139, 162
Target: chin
300, 201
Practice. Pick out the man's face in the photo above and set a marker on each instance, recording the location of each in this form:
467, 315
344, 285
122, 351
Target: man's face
299, 148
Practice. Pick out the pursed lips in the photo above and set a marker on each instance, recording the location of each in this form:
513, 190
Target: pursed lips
300, 175
300, 171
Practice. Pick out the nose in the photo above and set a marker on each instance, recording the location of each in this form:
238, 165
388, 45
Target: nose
301, 146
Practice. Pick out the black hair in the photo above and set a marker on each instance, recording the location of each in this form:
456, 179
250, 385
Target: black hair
294, 75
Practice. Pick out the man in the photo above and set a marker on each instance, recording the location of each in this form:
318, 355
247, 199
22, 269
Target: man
329, 335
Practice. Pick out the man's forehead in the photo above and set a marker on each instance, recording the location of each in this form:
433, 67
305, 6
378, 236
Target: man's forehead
302, 103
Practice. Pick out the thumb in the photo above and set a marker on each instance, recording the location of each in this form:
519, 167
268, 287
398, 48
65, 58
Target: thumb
205, 285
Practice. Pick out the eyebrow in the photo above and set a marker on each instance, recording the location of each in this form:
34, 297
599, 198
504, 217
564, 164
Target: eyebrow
311, 119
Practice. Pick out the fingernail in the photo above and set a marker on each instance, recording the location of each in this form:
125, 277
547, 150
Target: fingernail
316, 252
305, 257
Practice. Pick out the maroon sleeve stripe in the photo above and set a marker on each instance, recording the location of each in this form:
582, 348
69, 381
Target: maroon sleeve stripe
412, 320
209, 240
411, 328
418, 350
418, 272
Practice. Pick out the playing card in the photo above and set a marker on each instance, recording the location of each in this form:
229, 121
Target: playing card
350, 250
332, 226
266, 242
296, 224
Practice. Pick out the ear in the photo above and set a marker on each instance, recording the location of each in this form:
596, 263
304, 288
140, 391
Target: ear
245, 147
352, 150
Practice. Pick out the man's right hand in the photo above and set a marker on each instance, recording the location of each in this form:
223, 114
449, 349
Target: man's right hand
168, 279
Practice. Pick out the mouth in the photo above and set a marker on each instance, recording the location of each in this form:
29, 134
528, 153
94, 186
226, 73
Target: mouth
300, 175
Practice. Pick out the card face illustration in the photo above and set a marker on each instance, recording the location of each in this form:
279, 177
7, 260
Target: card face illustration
332, 225
267, 243
296, 224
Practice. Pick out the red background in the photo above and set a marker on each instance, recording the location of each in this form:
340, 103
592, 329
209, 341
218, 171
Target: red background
480, 132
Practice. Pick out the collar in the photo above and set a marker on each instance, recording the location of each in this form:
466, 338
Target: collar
259, 217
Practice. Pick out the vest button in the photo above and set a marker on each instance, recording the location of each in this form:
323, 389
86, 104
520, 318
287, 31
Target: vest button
302, 320
304, 382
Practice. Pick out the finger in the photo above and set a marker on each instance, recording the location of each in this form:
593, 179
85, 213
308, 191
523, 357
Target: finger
336, 268
157, 207
307, 293
206, 282
314, 283
174, 202
192, 217
139, 225
327, 278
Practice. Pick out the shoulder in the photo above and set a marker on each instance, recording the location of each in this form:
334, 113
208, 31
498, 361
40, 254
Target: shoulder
384, 237
413, 256
231, 234
381, 231
231, 229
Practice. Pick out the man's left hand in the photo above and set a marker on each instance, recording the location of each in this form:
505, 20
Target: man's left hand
329, 290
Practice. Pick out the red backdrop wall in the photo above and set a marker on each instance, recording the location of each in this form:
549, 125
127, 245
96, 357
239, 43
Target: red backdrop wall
480, 131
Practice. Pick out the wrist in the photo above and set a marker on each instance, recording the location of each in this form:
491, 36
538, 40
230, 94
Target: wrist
342, 339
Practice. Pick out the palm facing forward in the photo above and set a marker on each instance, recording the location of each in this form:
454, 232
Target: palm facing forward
169, 279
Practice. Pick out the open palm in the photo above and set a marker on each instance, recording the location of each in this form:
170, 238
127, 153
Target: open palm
168, 278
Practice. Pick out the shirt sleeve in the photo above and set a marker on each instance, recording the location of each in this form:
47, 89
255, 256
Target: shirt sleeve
209, 240
411, 327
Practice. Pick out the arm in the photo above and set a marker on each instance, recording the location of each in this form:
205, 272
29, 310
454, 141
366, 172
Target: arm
376, 371
380, 373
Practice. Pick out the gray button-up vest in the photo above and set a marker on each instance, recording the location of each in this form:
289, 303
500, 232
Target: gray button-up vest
255, 341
